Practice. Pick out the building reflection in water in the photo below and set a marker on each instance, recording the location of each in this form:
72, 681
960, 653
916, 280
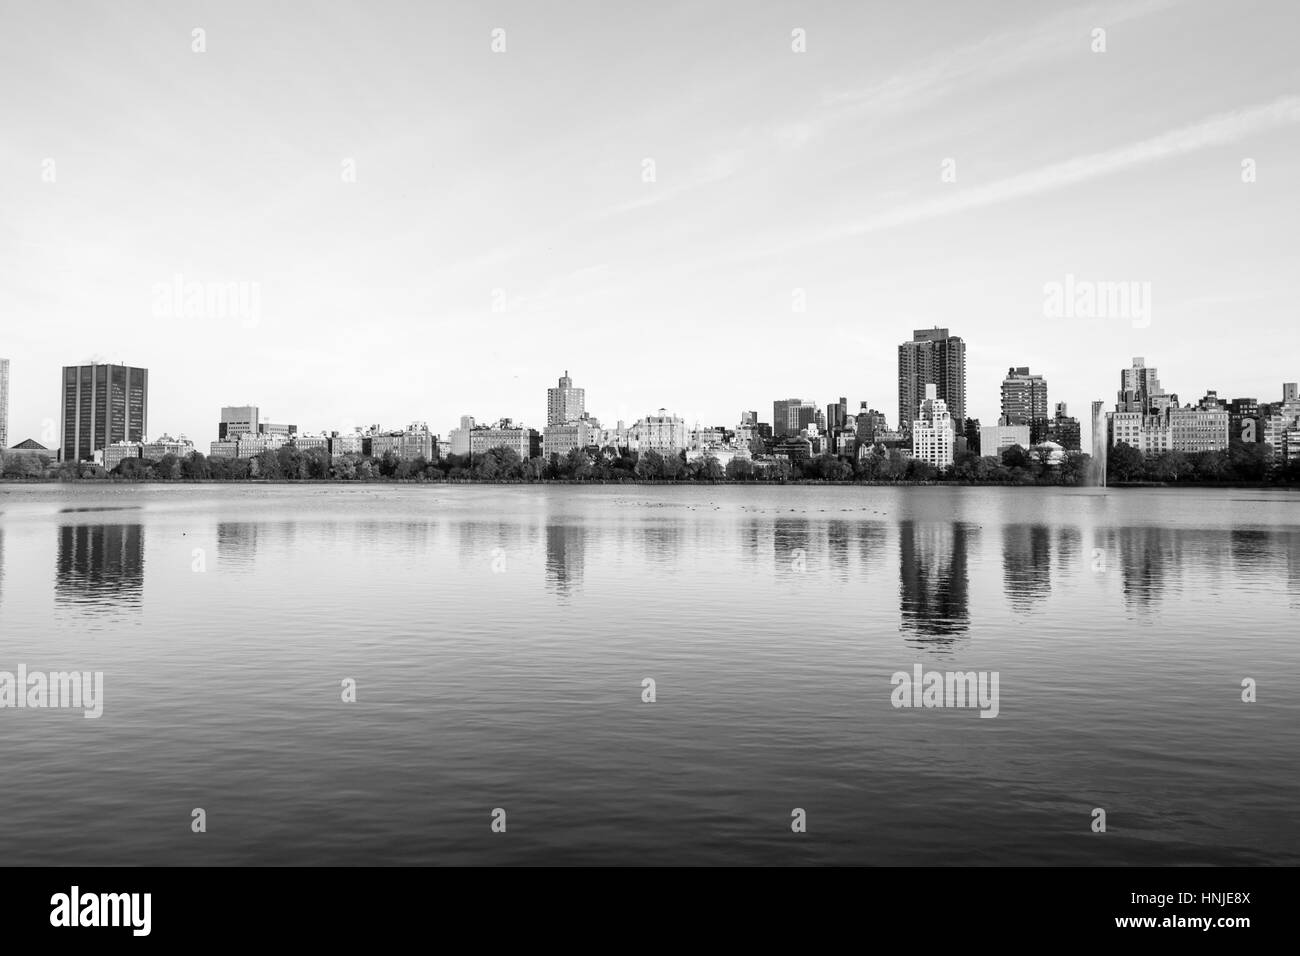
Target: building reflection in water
566, 549
1026, 564
790, 545
100, 564
1252, 549
933, 581
1292, 545
236, 545
839, 535
1146, 555
1069, 549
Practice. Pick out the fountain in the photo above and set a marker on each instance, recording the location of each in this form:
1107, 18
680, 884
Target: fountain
1100, 443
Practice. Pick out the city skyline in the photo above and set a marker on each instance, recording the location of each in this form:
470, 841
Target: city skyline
1139, 384
843, 192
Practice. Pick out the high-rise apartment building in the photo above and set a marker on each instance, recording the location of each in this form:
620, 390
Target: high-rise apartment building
1140, 391
1024, 397
932, 431
564, 403
933, 357
100, 405
1150, 420
1281, 427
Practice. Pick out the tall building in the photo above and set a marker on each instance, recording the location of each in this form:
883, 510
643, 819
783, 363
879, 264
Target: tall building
1148, 418
1188, 430
932, 433
870, 424
4, 403
100, 405
933, 357
1282, 426
460, 437
791, 415
1243, 420
837, 414
1200, 427
1140, 391
1062, 429
664, 433
1024, 397
564, 403
239, 420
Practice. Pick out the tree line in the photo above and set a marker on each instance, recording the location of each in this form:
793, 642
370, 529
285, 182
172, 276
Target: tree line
1015, 466
1241, 462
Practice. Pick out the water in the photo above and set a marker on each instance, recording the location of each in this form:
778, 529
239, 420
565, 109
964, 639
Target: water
499, 637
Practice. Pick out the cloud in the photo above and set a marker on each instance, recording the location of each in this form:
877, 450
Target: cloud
717, 168
1220, 130
960, 69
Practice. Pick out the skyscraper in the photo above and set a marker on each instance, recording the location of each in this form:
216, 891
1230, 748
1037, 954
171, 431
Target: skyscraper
792, 415
933, 357
1140, 391
1024, 398
102, 404
837, 414
4, 403
564, 403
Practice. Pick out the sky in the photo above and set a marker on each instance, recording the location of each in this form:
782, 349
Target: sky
434, 210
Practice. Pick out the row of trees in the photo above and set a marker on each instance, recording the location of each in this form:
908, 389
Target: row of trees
1015, 466
1242, 462
607, 464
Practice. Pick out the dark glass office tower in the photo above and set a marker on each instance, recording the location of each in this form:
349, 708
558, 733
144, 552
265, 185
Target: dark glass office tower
102, 404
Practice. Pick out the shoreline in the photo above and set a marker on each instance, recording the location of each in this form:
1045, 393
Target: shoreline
686, 482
